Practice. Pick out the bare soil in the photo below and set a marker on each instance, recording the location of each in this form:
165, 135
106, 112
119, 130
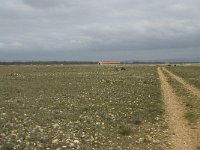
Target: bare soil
182, 136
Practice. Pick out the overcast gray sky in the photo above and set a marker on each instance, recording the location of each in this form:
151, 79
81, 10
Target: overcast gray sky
99, 29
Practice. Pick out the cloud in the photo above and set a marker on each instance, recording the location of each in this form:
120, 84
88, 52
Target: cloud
43, 3
93, 26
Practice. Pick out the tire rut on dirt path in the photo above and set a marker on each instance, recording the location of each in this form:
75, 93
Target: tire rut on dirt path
181, 135
186, 85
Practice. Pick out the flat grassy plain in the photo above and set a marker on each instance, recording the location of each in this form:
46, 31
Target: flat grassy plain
189, 100
191, 74
188, 73
81, 107
191, 103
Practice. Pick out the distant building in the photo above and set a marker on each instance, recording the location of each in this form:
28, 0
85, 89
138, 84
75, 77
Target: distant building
109, 62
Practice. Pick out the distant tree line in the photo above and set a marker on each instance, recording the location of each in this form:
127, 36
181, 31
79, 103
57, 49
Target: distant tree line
46, 62
83, 62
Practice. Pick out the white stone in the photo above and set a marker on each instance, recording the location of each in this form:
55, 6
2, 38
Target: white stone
76, 141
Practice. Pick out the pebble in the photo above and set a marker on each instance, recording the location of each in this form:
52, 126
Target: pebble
149, 138
55, 141
71, 145
76, 141
55, 125
141, 140
156, 141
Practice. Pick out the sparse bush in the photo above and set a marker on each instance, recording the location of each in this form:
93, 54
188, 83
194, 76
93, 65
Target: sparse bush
191, 117
145, 82
189, 104
137, 119
122, 68
125, 130
146, 140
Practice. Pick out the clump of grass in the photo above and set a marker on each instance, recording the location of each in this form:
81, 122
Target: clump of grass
8, 147
137, 119
125, 130
85, 108
169, 79
189, 104
191, 117
198, 148
146, 140
145, 82
122, 68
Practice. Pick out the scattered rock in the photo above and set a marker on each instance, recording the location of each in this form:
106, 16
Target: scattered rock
55, 141
156, 141
149, 138
55, 125
141, 140
76, 141
71, 145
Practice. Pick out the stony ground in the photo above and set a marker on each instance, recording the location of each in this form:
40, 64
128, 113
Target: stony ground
81, 107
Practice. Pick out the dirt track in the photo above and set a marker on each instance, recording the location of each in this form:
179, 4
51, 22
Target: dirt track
186, 85
182, 137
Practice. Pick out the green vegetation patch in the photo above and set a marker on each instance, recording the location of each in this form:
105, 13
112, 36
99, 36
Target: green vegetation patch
191, 117
125, 130
189, 73
191, 102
